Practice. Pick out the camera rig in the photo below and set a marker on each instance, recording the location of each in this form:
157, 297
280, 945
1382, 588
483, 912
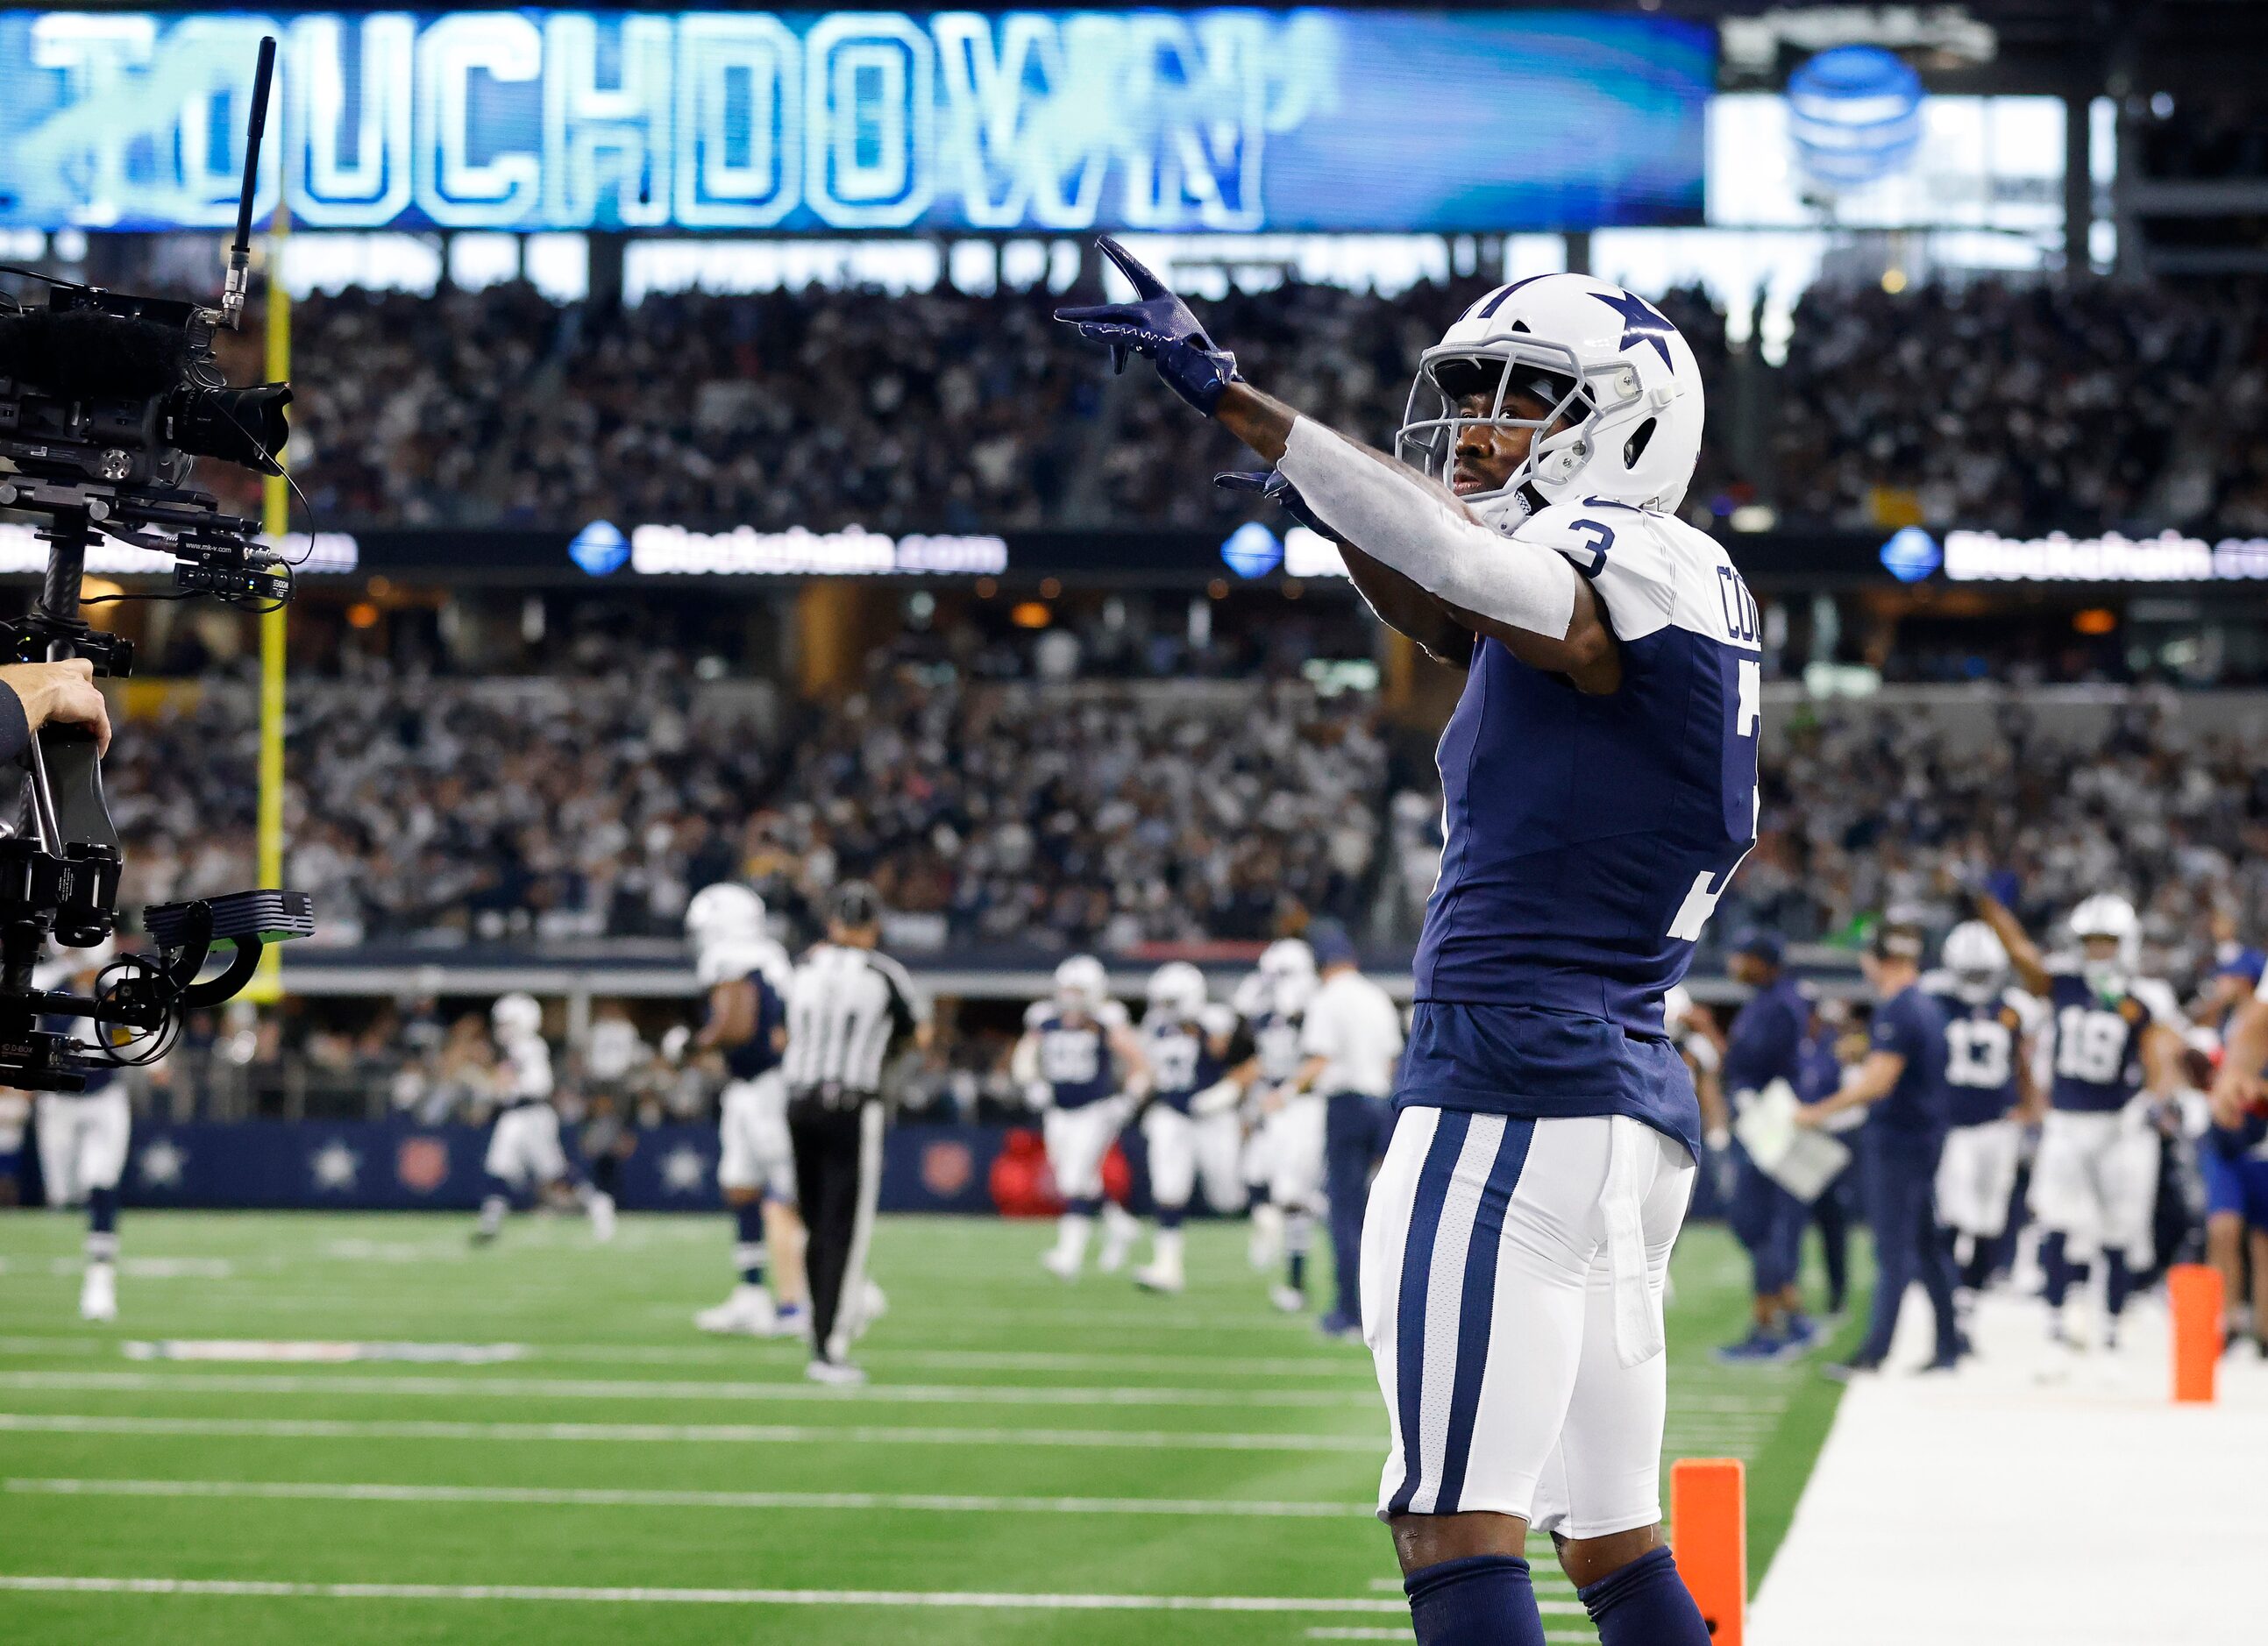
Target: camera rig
105, 399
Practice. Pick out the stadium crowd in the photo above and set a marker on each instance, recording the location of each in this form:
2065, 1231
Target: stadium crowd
2008, 404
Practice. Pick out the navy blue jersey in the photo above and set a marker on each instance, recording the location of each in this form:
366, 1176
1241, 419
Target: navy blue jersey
1984, 1039
757, 1054
1765, 1042
1180, 1056
1589, 838
1075, 1061
1278, 1045
1911, 1023
2097, 1037
1819, 1072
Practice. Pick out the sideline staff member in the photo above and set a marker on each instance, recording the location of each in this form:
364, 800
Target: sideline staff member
39, 693
849, 1007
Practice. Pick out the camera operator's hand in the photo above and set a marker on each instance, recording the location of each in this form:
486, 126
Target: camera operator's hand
63, 692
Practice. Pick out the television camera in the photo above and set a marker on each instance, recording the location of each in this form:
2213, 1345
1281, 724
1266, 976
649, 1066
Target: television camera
105, 401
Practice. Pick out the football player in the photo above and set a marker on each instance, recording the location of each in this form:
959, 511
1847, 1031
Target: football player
1081, 1064
83, 1137
1189, 1122
746, 974
1288, 1122
1988, 1073
524, 1150
2114, 1055
2240, 1116
1600, 779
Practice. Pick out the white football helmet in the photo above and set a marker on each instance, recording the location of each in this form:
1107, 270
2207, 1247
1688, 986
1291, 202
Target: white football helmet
516, 1016
1606, 362
1289, 966
1081, 985
2108, 914
724, 913
1976, 957
1177, 992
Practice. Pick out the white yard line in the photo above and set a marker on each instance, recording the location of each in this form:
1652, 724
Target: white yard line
578, 1594
2007, 1497
610, 1497
703, 1434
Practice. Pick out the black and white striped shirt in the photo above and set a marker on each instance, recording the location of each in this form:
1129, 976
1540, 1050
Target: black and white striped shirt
845, 1009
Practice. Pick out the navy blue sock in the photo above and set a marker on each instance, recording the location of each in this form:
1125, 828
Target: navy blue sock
1169, 1217
1084, 1207
1480, 1601
1297, 1271
2056, 1268
2118, 1281
748, 1242
1644, 1603
102, 1211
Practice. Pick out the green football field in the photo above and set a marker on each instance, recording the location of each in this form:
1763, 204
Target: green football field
1035, 1462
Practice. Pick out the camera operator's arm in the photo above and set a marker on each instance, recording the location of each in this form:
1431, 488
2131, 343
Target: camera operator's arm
41, 693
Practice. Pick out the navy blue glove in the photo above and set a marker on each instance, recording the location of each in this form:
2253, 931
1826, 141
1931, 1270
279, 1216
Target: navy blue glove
1277, 490
1159, 326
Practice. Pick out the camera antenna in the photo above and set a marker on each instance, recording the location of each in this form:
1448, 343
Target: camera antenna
240, 255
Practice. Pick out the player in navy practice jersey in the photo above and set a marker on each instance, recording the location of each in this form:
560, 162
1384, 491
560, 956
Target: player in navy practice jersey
2115, 1058
1600, 780
1081, 1065
1190, 1120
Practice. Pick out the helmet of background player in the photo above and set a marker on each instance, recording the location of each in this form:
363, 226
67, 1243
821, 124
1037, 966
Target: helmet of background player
1176, 992
724, 913
516, 1016
1977, 959
1289, 966
2110, 938
1617, 387
1081, 986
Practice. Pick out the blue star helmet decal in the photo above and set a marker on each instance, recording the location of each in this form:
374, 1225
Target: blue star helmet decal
1641, 323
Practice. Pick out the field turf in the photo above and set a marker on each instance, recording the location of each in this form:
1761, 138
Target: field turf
1035, 1462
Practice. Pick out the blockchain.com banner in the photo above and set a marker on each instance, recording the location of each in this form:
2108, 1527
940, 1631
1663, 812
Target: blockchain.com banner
1020, 122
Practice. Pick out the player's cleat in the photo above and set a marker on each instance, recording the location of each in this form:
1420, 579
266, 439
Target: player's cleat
1159, 1277
748, 1313
602, 1208
1804, 1334
98, 1294
1060, 1263
835, 1374
1759, 1348
1288, 1299
1943, 1363
1340, 1328
867, 1305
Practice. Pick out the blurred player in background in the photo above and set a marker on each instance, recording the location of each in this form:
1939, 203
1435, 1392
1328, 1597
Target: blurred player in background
1189, 1122
2240, 1115
1288, 1122
1599, 787
1988, 1076
1765, 1044
1082, 1067
83, 1137
1352, 1039
2222, 1150
746, 974
2115, 1053
1901, 1087
524, 1153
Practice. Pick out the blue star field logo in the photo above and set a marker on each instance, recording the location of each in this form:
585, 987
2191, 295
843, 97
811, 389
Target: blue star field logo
1641, 324
1912, 554
600, 547
1252, 550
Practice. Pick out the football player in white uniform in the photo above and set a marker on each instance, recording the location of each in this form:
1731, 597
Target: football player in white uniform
1189, 1122
2115, 1053
1988, 1072
1080, 1064
524, 1150
1286, 1161
746, 974
1598, 779
82, 1138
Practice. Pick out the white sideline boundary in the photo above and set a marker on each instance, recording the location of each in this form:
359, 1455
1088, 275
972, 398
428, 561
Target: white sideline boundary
972, 1599
629, 1497
2005, 1503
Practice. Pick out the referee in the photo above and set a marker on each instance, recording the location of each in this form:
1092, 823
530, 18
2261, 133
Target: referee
848, 1008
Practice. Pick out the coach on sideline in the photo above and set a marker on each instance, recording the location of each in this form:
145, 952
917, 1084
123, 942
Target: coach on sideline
45, 693
1352, 1039
849, 1007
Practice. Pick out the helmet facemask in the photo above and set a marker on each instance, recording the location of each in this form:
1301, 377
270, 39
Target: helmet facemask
1560, 442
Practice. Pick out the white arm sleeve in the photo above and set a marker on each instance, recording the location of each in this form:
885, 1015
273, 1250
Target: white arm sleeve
1394, 517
